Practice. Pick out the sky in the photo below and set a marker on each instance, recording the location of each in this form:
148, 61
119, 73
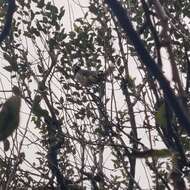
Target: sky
75, 9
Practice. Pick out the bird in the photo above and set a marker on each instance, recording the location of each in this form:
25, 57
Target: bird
9, 115
89, 78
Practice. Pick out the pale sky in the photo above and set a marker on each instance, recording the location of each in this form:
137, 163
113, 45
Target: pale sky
73, 10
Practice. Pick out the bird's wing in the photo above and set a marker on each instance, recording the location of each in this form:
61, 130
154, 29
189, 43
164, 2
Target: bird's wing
88, 73
86, 78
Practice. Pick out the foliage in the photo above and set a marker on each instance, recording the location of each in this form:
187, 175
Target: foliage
74, 137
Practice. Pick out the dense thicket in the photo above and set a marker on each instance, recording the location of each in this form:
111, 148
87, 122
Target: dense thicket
119, 134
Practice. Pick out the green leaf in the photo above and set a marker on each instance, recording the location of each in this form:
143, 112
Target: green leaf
161, 115
9, 116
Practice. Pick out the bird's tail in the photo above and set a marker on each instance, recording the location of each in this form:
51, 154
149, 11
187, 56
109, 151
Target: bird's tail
109, 70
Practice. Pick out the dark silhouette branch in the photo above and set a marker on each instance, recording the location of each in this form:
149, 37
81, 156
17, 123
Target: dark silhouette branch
188, 71
8, 20
52, 126
152, 67
153, 31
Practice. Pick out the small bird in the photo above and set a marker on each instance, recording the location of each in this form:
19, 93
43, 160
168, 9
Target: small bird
9, 115
89, 78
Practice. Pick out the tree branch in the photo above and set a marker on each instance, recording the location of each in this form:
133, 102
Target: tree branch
8, 20
152, 67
